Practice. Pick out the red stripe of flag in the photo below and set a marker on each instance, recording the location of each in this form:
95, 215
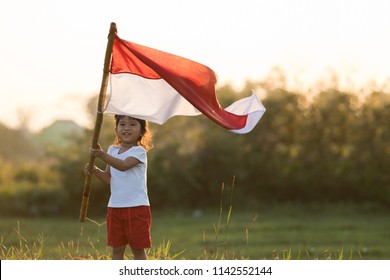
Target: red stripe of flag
193, 81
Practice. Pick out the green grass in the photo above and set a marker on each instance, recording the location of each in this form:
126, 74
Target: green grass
269, 232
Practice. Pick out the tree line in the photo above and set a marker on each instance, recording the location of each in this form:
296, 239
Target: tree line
332, 147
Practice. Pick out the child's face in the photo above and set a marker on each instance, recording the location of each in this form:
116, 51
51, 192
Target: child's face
128, 130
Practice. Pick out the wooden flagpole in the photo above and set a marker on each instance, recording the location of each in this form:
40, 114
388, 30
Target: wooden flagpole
99, 120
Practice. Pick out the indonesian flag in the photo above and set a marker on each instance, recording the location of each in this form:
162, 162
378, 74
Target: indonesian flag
154, 85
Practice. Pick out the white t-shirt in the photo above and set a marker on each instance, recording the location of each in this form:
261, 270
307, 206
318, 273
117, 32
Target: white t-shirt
128, 188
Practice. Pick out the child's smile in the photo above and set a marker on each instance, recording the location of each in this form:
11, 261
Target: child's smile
128, 131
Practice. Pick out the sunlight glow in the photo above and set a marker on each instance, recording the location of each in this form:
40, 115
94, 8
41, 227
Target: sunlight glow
52, 52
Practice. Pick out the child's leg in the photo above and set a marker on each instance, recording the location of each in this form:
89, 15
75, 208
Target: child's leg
139, 254
118, 253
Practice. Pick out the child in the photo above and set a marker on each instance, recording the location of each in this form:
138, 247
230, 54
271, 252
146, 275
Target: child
128, 213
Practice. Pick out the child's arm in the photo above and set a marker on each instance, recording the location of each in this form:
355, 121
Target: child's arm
117, 163
103, 175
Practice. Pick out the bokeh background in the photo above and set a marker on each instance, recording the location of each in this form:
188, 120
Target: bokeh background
321, 69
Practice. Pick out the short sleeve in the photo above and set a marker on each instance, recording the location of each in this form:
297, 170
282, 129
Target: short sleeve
139, 153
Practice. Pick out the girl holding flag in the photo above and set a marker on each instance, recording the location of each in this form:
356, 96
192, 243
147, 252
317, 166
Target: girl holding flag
128, 214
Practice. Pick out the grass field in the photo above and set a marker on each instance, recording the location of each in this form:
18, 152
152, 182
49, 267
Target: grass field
270, 232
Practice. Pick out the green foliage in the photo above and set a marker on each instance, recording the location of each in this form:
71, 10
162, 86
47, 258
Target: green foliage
333, 147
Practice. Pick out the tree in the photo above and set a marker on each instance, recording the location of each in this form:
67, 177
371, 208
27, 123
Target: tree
372, 144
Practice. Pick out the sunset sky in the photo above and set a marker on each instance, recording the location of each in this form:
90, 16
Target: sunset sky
52, 52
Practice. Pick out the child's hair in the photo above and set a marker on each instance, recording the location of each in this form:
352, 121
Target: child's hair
145, 139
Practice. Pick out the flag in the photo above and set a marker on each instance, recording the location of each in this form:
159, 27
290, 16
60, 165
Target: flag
154, 85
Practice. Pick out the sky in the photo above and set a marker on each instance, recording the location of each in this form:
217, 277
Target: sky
52, 52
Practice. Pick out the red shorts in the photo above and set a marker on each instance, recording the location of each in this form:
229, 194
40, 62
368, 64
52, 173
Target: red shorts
129, 226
